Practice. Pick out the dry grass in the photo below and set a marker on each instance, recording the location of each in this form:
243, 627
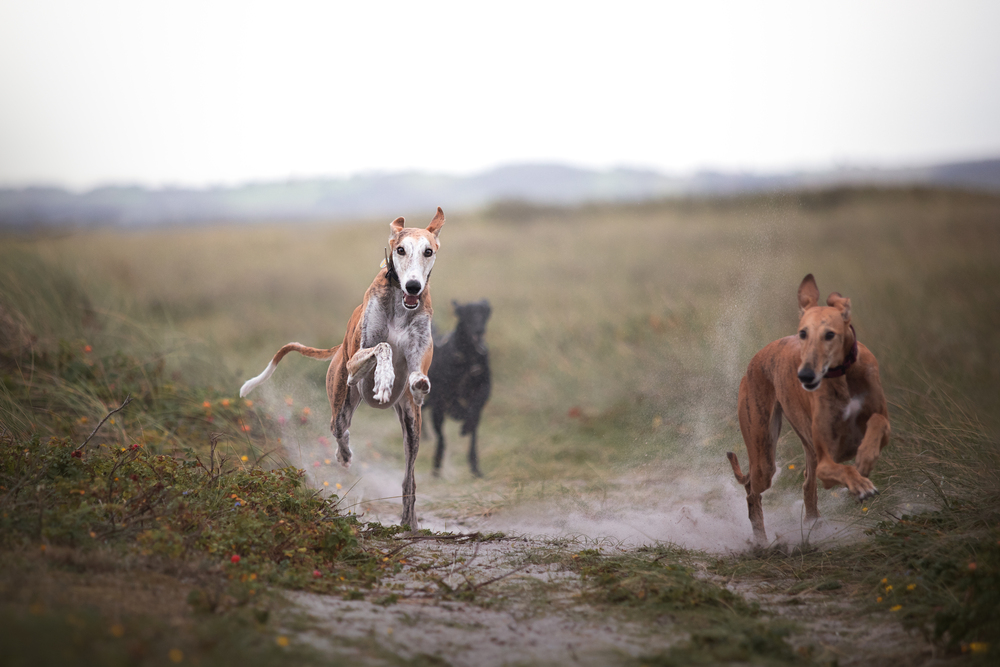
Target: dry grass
619, 333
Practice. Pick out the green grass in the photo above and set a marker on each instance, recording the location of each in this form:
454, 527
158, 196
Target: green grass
660, 582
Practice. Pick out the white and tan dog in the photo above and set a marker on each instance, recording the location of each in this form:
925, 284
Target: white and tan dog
386, 351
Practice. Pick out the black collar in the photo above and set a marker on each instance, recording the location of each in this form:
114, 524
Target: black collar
390, 271
837, 371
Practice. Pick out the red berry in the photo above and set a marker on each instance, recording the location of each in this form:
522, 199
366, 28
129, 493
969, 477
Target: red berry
235, 558
317, 573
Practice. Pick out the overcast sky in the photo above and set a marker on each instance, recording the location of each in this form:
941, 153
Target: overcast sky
201, 93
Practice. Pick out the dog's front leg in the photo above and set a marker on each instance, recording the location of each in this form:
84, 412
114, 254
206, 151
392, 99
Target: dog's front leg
378, 357
420, 386
419, 350
876, 437
831, 473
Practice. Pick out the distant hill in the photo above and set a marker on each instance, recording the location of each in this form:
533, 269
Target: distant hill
382, 195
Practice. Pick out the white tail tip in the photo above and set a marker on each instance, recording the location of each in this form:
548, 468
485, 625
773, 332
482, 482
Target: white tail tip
252, 383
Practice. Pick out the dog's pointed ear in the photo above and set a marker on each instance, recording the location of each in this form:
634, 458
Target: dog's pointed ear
808, 294
436, 224
396, 226
454, 306
843, 304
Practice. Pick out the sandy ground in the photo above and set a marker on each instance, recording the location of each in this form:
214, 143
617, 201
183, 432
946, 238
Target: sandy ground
512, 622
536, 615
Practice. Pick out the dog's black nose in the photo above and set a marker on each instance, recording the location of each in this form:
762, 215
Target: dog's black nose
413, 287
806, 375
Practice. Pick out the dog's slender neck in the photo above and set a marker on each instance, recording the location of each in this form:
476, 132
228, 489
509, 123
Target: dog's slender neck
852, 356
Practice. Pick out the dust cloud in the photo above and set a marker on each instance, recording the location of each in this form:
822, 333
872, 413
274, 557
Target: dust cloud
690, 501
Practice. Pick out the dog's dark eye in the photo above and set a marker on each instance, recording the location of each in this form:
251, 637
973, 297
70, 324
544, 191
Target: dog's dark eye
401, 251
830, 335
802, 334
428, 252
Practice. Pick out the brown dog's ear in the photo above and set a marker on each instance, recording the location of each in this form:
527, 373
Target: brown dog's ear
396, 226
808, 293
436, 223
841, 303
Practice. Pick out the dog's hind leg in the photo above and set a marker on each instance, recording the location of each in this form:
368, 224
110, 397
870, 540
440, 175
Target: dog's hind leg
757, 407
341, 424
409, 418
437, 418
344, 400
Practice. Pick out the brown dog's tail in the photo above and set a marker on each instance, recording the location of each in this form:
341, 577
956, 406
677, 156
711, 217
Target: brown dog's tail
312, 352
733, 461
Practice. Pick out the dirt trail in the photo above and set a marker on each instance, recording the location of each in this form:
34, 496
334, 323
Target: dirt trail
537, 614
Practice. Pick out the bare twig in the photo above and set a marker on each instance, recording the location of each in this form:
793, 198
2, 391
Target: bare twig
464, 537
502, 576
128, 399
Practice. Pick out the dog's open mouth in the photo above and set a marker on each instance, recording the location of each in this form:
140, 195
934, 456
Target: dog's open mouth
411, 301
812, 386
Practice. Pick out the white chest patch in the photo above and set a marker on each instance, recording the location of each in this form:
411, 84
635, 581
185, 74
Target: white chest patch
397, 336
853, 407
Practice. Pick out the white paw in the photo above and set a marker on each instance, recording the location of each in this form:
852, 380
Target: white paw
420, 386
383, 388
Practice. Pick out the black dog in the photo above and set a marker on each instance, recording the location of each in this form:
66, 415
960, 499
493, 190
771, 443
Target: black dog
460, 378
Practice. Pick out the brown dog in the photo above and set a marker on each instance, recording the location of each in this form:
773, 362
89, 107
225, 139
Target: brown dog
387, 349
827, 385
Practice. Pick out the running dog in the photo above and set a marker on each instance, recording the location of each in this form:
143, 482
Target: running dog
387, 349
827, 385
461, 373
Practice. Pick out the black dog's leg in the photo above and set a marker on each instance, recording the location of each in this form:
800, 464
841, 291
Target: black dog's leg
473, 429
479, 394
437, 415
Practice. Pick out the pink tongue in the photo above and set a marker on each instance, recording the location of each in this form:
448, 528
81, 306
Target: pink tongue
411, 300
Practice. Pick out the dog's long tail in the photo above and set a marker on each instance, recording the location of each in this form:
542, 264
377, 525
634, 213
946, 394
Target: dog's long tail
733, 461
311, 352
